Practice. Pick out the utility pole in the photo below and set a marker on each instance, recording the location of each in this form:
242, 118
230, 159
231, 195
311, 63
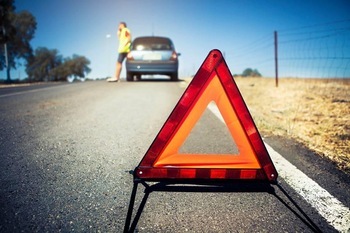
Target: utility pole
276, 59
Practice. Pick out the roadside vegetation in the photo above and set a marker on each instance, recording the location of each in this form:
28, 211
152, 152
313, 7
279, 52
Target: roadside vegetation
314, 112
41, 64
249, 72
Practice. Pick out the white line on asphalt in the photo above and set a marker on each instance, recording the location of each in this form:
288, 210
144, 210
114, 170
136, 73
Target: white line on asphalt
329, 207
24, 92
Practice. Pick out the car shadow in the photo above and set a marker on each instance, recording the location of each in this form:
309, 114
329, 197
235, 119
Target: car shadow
157, 80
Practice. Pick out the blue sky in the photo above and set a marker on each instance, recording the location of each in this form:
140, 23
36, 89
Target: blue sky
241, 29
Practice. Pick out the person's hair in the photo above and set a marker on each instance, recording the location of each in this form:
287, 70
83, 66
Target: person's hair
123, 23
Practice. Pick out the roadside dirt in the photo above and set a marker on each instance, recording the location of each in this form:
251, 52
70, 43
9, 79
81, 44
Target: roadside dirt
315, 112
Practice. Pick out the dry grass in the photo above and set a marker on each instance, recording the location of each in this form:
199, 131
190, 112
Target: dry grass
315, 112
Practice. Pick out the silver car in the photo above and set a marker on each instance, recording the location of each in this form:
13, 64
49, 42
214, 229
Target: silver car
152, 55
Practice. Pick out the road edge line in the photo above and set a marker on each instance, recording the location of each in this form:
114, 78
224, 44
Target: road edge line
329, 207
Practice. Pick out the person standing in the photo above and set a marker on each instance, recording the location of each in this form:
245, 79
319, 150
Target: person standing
124, 36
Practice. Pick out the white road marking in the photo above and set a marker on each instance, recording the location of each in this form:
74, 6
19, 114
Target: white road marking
329, 207
26, 91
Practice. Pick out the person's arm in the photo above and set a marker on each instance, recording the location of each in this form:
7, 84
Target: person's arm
119, 30
128, 36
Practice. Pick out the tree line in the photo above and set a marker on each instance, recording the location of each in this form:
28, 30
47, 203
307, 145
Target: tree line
249, 72
17, 29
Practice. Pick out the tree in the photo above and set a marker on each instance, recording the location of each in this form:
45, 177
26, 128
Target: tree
249, 72
17, 31
47, 65
77, 66
25, 25
42, 64
7, 30
61, 72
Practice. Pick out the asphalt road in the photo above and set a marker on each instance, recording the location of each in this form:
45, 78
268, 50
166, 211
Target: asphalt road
66, 151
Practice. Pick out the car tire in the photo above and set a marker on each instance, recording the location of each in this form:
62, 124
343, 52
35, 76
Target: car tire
129, 77
174, 76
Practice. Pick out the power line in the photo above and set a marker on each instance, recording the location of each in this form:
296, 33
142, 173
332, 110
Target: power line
315, 25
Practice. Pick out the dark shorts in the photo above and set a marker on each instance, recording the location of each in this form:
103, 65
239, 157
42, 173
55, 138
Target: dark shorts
121, 57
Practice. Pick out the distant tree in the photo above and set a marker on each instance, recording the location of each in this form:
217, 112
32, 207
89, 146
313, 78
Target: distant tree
42, 64
249, 72
47, 65
17, 30
61, 72
77, 66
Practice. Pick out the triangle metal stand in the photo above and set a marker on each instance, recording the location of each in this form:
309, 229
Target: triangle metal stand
207, 186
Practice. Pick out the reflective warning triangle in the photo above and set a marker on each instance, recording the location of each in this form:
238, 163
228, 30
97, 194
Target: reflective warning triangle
213, 82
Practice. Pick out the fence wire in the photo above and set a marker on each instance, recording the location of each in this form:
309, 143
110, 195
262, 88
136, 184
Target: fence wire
314, 51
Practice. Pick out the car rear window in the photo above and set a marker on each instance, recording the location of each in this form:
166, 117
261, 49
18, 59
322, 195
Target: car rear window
152, 43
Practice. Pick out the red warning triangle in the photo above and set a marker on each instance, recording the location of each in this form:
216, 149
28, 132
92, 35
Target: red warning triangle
213, 82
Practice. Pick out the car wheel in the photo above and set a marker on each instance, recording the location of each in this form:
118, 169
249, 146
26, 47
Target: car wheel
129, 76
174, 76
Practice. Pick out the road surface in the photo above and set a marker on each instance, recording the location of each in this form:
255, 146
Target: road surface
66, 151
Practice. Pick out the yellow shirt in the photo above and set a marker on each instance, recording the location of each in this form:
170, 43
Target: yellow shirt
124, 41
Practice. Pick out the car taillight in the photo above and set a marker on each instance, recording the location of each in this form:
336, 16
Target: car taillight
173, 56
129, 56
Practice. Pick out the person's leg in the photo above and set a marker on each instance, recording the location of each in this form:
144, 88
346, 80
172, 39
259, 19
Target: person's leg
118, 70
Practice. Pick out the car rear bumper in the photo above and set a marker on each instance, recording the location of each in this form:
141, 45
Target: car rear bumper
153, 67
